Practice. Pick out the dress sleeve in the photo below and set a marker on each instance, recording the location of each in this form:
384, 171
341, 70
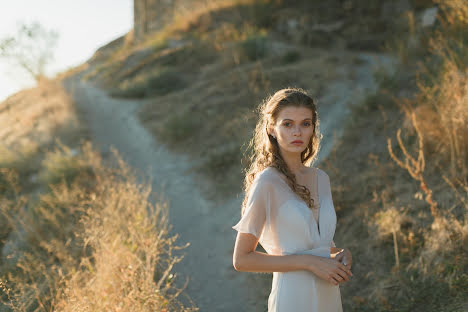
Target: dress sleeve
257, 209
326, 191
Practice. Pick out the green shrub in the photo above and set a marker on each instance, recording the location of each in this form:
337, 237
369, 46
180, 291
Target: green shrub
165, 82
155, 84
132, 90
255, 47
222, 160
179, 127
290, 57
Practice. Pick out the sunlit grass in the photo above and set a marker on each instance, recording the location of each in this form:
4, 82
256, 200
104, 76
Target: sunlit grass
76, 233
94, 242
407, 227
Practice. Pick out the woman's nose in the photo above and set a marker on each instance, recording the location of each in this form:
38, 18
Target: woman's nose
297, 130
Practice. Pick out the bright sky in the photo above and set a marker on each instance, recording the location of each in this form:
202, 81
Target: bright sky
83, 27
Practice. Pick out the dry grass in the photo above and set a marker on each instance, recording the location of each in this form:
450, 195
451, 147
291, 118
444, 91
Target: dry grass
387, 222
186, 15
416, 215
445, 109
94, 242
76, 233
37, 116
33, 121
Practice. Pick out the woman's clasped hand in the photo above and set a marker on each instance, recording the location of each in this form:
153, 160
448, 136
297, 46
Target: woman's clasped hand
343, 255
332, 269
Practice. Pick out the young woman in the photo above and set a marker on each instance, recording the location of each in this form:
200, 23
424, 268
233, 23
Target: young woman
288, 208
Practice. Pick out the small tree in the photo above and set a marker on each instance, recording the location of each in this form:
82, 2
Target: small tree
31, 48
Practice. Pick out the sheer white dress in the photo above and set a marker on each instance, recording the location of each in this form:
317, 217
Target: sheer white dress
285, 225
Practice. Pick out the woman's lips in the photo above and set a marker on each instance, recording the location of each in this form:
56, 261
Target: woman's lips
297, 142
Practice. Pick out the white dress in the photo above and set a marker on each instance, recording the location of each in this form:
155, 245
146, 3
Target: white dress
285, 225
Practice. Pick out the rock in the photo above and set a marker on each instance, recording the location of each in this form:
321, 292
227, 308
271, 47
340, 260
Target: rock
330, 27
428, 17
33, 178
292, 24
175, 43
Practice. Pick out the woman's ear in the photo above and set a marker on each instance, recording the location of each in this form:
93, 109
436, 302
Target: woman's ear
272, 133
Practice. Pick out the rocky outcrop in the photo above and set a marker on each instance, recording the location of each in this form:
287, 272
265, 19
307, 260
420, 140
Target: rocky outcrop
151, 15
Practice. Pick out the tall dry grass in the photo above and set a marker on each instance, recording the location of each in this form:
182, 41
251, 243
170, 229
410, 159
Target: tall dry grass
38, 115
408, 230
434, 154
94, 242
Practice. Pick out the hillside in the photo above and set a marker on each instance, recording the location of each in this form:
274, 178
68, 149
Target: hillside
390, 79
203, 75
231, 57
74, 221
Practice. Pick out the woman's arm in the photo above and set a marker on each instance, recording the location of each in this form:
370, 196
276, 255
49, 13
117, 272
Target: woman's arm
246, 259
254, 261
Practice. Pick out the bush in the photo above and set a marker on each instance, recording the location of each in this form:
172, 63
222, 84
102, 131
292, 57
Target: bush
179, 127
291, 57
255, 47
160, 83
165, 82
135, 91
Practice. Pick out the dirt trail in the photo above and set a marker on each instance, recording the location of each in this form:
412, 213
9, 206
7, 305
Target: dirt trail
353, 83
214, 285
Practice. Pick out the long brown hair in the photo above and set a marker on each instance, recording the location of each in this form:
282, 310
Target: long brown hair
265, 148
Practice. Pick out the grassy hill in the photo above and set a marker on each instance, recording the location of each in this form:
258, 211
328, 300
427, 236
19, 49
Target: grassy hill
73, 225
204, 74
399, 171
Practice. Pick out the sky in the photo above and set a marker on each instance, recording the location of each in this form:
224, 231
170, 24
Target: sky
83, 26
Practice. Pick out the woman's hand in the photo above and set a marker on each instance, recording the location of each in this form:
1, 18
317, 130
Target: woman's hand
329, 269
345, 257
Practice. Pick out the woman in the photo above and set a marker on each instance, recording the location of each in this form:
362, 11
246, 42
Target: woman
288, 208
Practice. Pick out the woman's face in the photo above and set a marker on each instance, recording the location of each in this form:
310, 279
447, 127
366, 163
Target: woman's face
293, 124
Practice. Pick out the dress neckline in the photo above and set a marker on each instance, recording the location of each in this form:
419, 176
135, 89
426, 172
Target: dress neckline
318, 201
316, 221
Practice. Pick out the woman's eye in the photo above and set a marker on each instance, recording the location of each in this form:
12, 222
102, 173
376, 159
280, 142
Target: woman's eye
306, 124
287, 124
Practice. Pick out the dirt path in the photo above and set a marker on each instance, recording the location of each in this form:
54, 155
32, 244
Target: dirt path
353, 83
214, 285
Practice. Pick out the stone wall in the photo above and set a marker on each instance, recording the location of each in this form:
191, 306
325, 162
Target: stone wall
150, 15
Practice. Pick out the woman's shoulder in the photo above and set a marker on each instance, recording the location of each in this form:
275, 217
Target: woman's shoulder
266, 174
269, 175
321, 172
273, 175
267, 182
